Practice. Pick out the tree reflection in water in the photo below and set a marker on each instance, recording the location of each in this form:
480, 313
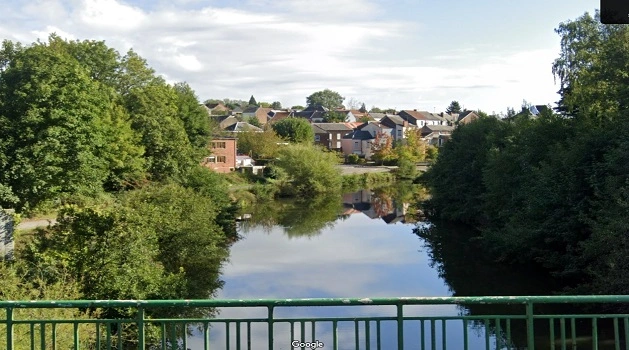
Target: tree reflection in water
458, 256
309, 217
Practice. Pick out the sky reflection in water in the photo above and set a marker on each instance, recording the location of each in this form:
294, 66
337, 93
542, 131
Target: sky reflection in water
358, 257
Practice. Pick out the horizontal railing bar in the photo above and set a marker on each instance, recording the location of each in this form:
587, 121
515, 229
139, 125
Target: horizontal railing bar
318, 319
554, 299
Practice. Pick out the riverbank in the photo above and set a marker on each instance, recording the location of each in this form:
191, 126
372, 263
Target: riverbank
350, 169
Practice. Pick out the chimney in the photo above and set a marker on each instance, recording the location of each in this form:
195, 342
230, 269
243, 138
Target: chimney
405, 124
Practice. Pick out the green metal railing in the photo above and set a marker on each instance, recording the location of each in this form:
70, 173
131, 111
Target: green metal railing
526, 324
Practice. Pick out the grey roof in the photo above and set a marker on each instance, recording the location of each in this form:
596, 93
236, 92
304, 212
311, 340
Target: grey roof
359, 135
431, 116
242, 126
251, 109
309, 114
325, 127
377, 115
317, 107
395, 119
439, 127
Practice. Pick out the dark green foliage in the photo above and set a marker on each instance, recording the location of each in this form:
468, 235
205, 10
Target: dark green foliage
548, 191
252, 101
456, 179
353, 158
326, 98
294, 130
334, 117
454, 107
276, 105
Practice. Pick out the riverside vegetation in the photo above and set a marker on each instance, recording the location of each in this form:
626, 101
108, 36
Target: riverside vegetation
551, 192
100, 139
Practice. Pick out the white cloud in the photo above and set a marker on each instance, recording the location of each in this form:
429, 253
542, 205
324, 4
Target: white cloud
50, 30
110, 15
285, 50
189, 62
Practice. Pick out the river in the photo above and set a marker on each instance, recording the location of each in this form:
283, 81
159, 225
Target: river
364, 246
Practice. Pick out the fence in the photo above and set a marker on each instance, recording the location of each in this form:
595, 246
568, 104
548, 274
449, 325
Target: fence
527, 324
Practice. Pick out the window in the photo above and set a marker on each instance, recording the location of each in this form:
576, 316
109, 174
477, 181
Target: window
221, 159
356, 145
338, 144
219, 144
317, 138
399, 133
210, 159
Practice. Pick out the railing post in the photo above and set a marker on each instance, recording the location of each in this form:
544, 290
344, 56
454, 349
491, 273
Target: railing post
270, 325
400, 327
140, 321
9, 328
530, 332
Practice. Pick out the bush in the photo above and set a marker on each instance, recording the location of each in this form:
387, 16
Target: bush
309, 170
353, 159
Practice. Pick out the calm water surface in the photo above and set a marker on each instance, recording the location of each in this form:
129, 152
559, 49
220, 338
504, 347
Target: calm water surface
369, 251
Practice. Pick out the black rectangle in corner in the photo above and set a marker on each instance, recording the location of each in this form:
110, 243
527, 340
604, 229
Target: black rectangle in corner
615, 11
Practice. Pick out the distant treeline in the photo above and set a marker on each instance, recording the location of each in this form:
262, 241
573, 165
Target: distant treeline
554, 190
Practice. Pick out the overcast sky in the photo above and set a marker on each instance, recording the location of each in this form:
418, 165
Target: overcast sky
404, 54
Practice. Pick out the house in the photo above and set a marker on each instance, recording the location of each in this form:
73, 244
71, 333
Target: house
242, 127
538, 109
466, 117
353, 115
330, 134
224, 121
397, 124
222, 158
436, 135
360, 140
275, 116
260, 113
242, 161
376, 116
314, 113
421, 118
217, 108
354, 125
237, 111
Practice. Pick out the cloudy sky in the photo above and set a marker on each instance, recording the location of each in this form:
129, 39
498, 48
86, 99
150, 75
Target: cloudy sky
404, 54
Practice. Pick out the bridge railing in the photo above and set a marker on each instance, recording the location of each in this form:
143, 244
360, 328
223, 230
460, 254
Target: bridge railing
508, 322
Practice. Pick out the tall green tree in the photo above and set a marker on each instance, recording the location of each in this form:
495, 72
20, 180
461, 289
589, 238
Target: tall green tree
590, 68
454, 107
326, 98
154, 115
252, 101
276, 105
294, 130
259, 145
194, 117
54, 130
